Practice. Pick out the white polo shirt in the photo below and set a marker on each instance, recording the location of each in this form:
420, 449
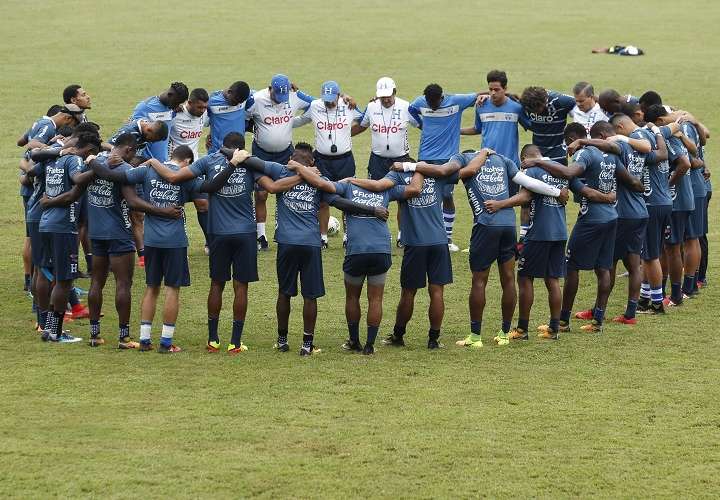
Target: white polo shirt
389, 127
332, 126
589, 118
273, 121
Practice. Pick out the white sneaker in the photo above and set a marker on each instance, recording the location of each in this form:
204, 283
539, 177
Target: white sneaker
453, 247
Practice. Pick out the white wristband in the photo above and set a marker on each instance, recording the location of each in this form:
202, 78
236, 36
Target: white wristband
409, 166
523, 230
655, 129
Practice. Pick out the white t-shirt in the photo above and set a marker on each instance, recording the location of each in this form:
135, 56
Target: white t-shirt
389, 127
332, 126
186, 130
273, 121
589, 118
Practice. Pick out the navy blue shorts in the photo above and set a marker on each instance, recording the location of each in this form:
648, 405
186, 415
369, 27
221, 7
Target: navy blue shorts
36, 245
379, 166
166, 264
591, 246
367, 264
490, 244
238, 251
675, 232
542, 259
303, 261
658, 221
707, 208
629, 237
60, 251
696, 222
106, 248
336, 168
281, 157
431, 261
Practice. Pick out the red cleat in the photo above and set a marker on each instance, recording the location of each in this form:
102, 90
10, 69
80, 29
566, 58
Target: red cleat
141, 261
625, 321
584, 315
79, 311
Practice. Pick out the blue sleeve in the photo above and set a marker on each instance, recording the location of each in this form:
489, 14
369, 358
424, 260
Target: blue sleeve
395, 177
43, 134
460, 159
199, 167
249, 102
304, 97
397, 193
139, 111
328, 197
465, 100
666, 132
256, 175
582, 159
342, 189
415, 113
136, 175
275, 171
191, 186
75, 166
567, 102
478, 121
512, 169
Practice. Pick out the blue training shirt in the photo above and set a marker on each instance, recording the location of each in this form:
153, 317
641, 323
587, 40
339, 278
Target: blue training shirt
225, 118
696, 174
599, 173
231, 208
297, 210
548, 127
162, 232
499, 127
366, 233
682, 192
631, 204
108, 212
547, 214
492, 182
440, 136
133, 128
421, 217
152, 109
42, 130
655, 179
58, 180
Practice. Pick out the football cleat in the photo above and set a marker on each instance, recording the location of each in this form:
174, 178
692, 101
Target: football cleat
472, 340
309, 351
349, 345
168, 349
625, 321
128, 343
212, 346
236, 349
518, 334
501, 338
586, 315
393, 340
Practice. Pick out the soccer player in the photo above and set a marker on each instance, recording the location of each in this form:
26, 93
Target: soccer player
592, 241
587, 111
109, 206
611, 101
332, 120
547, 113
659, 206
232, 233
226, 113
186, 129
543, 254
272, 110
77, 101
299, 244
633, 216
160, 108
165, 239
487, 176
367, 254
441, 117
681, 192
497, 118
58, 228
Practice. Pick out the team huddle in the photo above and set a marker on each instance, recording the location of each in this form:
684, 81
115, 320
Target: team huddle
635, 167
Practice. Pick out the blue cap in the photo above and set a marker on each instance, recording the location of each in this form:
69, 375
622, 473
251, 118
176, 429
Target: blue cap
281, 87
329, 91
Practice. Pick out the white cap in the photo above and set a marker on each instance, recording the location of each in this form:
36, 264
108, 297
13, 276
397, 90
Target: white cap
385, 87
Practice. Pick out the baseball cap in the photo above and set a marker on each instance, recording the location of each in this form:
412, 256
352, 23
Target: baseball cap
385, 87
329, 91
281, 87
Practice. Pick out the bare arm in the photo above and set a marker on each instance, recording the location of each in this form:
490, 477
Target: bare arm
313, 179
170, 175
354, 208
601, 144
523, 197
474, 165
689, 144
280, 185
371, 185
639, 145
662, 152
598, 197
629, 180
107, 173
65, 199
44, 154
416, 184
469, 131
82, 179
357, 129
558, 170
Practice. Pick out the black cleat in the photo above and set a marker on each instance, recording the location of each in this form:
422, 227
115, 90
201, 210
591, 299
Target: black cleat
284, 347
325, 244
434, 344
349, 345
309, 351
262, 243
368, 350
393, 340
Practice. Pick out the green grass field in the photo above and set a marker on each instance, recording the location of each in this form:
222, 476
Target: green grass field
631, 413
